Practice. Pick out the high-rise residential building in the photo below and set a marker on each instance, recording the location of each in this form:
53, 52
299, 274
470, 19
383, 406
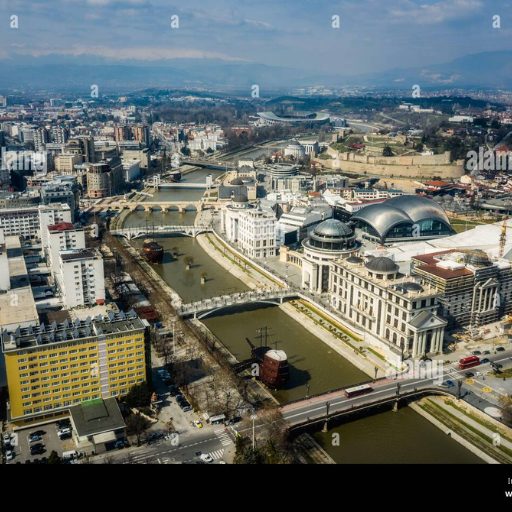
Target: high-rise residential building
62, 237
49, 215
22, 222
3, 101
122, 133
59, 134
41, 138
53, 367
141, 133
62, 190
80, 278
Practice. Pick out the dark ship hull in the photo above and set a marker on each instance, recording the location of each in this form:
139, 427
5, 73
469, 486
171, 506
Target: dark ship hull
153, 252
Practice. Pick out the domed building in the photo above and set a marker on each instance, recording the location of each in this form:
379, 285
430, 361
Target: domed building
403, 218
329, 241
295, 149
398, 314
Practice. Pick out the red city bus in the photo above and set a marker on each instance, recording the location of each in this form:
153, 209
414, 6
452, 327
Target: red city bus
358, 390
468, 362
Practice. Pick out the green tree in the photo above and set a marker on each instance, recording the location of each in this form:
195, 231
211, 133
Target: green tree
54, 458
138, 396
387, 151
136, 425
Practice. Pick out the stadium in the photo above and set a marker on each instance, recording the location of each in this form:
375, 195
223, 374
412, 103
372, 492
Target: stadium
295, 118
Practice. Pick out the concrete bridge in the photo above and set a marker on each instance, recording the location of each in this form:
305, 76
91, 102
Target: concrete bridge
138, 232
206, 307
185, 185
319, 409
210, 164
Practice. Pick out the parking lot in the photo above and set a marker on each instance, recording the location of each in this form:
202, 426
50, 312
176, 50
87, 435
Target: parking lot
50, 439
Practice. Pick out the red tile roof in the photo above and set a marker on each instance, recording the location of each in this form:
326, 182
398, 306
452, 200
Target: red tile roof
61, 226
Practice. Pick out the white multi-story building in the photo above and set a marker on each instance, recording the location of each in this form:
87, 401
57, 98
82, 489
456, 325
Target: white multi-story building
62, 237
80, 278
251, 228
22, 222
49, 215
401, 314
257, 233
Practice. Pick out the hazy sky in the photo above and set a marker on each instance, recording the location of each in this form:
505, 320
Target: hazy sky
374, 34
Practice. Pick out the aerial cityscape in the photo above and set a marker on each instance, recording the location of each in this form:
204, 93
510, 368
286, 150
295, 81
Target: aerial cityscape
258, 233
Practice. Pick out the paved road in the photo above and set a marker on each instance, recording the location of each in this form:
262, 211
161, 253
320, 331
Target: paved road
478, 391
216, 441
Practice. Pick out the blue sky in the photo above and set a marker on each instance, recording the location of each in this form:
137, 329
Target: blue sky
374, 34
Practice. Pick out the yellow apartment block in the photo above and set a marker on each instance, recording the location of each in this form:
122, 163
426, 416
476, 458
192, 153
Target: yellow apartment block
53, 367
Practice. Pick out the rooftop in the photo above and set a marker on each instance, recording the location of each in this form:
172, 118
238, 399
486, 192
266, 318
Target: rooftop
96, 416
15, 337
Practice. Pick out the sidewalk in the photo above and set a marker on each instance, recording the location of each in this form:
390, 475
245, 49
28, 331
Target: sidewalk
476, 425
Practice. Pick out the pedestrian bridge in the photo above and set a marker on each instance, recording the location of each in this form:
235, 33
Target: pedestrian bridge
133, 233
206, 307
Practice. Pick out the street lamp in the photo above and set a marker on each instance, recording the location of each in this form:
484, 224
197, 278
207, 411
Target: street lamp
307, 391
253, 418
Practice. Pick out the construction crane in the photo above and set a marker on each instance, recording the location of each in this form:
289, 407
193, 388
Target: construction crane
503, 236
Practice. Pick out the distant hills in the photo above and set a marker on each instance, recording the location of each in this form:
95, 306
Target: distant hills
484, 70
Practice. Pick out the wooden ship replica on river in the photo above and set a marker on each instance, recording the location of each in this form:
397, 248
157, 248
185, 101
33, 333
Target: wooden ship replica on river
272, 363
152, 251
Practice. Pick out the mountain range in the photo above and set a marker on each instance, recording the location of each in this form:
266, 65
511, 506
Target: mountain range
491, 70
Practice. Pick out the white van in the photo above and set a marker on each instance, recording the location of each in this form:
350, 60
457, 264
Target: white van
71, 455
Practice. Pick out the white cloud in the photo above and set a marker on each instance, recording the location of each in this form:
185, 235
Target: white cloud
446, 10
139, 53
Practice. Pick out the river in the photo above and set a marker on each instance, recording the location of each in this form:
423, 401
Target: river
403, 437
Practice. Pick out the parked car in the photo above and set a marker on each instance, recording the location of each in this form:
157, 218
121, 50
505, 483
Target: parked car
450, 383
476, 353
6, 437
122, 443
206, 458
37, 449
198, 424
9, 455
500, 349
63, 423
32, 438
38, 433
484, 360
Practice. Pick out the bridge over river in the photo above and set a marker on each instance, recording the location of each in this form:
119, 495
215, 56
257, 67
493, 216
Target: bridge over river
138, 232
334, 404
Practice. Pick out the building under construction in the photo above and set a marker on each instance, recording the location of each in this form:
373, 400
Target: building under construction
475, 291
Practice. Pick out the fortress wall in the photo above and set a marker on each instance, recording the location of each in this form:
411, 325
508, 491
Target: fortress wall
405, 166
407, 171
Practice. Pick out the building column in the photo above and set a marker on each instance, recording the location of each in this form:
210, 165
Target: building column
415, 343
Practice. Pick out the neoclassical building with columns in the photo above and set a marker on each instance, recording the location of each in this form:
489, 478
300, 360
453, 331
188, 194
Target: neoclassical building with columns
376, 297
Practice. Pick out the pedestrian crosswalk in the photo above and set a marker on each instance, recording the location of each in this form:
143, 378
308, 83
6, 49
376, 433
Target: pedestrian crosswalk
216, 454
223, 436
